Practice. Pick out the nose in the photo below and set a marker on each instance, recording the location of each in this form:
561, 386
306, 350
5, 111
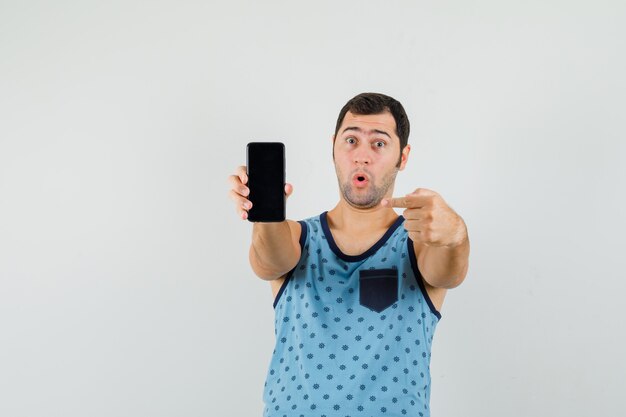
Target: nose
361, 157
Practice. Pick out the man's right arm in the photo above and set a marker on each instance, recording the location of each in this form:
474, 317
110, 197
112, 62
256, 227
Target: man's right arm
275, 248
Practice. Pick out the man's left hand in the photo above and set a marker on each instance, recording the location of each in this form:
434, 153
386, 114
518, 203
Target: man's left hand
428, 218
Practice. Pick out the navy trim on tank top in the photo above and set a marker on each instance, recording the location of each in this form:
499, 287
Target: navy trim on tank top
303, 232
367, 253
419, 278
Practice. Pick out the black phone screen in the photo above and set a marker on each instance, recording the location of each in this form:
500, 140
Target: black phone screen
266, 181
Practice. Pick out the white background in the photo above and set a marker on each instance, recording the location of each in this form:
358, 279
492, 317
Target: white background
124, 283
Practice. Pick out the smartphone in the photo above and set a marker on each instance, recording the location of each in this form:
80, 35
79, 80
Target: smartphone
266, 180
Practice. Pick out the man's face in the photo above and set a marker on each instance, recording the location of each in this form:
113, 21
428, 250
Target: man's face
366, 151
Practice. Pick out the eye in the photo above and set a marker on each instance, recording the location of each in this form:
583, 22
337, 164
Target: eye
379, 144
351, 140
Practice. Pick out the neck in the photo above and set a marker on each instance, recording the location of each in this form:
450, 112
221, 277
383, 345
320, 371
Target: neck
356, 221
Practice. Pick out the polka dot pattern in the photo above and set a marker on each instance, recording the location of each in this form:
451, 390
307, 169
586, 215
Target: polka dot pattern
336, 357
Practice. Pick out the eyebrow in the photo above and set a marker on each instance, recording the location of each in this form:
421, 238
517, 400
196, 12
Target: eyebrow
358, 129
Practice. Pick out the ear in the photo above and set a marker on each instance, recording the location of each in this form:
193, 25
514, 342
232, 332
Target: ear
404, 157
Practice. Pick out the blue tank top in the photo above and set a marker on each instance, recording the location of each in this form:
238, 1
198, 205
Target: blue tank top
353, 333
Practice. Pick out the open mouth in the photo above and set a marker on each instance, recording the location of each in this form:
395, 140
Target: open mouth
360, 179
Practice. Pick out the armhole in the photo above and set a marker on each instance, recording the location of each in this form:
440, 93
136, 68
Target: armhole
303, 233
419, 278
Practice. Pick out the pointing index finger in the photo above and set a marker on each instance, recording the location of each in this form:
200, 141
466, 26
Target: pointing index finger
397, 202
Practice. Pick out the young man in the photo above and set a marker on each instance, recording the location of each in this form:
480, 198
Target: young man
358, 289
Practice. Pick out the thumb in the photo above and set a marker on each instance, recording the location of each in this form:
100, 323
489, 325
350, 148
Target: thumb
288, 189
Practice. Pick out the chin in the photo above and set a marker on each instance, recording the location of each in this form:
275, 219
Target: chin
365, 201
362, 204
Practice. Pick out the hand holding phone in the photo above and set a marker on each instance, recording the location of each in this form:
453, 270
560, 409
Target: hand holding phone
266, 181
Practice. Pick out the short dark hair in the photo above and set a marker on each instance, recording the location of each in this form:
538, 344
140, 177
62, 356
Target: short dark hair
376, 103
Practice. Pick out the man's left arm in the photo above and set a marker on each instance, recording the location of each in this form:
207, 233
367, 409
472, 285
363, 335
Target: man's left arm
439, 236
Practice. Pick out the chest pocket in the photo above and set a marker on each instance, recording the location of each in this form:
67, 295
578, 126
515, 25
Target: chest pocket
378, 288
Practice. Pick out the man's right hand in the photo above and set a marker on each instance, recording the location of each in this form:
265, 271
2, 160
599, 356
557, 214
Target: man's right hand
239, 191
275, 247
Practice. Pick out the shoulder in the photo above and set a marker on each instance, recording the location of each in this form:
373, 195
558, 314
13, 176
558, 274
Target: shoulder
306, 227
297, 229
302, 229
